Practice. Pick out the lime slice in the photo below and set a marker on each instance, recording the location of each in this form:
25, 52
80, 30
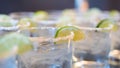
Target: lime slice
14, 43
107, 23
27, 23
40, 15
66, 30
114, 13
5, 21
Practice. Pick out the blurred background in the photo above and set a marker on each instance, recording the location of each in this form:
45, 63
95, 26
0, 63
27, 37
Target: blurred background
8, 6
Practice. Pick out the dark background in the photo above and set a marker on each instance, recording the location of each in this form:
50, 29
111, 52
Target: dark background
8, 6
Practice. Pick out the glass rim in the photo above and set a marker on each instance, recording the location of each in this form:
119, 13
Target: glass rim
68, 37
45, 39
47, 27
95, 28
53, 22
50, 39
82, 28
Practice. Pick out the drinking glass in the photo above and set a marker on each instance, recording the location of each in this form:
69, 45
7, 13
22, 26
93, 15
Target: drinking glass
93, 50
115, 37
8, 62
47, 51
115, 48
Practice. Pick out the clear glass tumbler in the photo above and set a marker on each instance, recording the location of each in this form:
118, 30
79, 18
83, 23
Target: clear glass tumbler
7, 62
47, 52
93, 50
115, 37
114, 56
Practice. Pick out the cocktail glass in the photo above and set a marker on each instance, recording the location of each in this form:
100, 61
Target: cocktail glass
7, 62
47, 52
115, 48
92, 52
115, 37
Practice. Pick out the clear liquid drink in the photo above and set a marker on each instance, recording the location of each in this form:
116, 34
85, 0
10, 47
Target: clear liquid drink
92, 52
8, 61
46, 54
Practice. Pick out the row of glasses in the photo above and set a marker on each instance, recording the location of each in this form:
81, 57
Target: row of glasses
91, 52
84, 49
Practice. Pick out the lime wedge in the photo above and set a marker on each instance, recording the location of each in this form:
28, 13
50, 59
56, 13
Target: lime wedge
5, 20
27, 23
107, 23
14, 43
66, 30
114, 13
40, 15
